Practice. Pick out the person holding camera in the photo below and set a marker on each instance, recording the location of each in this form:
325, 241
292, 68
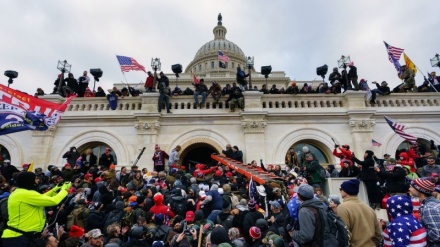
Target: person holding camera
383, 89
83, 84
188, 237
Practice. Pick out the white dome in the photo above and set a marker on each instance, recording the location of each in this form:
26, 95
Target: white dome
224, 45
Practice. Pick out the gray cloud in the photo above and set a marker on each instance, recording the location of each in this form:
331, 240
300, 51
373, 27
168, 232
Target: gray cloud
292, 36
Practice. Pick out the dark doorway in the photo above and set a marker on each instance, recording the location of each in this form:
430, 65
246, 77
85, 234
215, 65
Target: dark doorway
198, 153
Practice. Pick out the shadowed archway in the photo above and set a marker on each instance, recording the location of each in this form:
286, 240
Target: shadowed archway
197, 153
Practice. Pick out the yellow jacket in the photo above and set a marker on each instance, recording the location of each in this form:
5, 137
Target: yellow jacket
26, 210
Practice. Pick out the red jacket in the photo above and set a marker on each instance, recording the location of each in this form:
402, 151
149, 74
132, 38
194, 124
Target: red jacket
204, 172
149, 81
407, 161
159, 208
347, 154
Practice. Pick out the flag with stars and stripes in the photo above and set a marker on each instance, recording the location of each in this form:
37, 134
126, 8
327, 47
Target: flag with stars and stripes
129, 63
393, 52
375, 143
398, 128
253, 193
404, 229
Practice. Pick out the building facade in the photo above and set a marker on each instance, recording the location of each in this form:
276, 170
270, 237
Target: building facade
268, 127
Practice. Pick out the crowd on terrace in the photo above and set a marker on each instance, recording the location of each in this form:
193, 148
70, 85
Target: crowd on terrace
95, 204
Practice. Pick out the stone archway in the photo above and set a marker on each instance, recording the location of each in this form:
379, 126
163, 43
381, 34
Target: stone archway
198, 152
104, 137
317, 137
14, 149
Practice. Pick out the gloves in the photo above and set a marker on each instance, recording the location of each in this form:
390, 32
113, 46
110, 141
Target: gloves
66, 186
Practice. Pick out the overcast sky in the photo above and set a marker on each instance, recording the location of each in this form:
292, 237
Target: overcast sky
292, 36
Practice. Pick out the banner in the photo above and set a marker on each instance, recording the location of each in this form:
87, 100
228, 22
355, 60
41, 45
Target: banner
20, 112
409, 63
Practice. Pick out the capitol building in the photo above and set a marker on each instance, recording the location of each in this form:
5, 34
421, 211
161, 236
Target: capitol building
268, 127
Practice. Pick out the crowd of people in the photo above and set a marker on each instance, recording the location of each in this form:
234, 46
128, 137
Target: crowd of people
338, 82
91, 203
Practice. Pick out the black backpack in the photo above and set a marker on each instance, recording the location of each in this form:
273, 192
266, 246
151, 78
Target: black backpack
4, 217
160, 233
178, 207
188, 91
335, 230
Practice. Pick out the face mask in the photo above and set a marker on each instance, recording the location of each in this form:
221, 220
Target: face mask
73, 150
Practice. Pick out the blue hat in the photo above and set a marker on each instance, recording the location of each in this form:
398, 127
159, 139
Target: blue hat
351, 186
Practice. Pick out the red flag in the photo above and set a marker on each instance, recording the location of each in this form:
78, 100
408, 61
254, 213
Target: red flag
19, 112
195, 80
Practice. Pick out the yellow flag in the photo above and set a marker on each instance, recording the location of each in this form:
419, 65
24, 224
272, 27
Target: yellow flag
31, 167
409, 63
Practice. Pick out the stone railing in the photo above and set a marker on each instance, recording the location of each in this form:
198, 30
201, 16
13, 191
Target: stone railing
255, 101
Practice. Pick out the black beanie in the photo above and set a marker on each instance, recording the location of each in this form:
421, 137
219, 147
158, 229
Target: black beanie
26, 180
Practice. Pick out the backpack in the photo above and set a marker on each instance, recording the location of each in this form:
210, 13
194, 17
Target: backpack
335, 230
227, 223
188, 91
114, 217
178, 207
160, 233
3, 213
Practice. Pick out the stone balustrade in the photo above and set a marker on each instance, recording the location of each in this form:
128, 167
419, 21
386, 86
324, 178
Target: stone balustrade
256, 101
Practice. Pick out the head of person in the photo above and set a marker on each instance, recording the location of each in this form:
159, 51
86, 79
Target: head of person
309, 157
305, 192
349, 188
430, 161
368, 154
275, 206
26, 180
421, 187
50, 241
333, 201
276, 191
96, 238
305, 149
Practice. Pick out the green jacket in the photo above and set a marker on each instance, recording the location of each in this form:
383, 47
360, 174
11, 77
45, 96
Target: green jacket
313, 170
26, 210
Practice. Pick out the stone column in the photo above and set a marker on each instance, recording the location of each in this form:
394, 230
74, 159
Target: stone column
147, 131
361, 122
254, 139
42, 142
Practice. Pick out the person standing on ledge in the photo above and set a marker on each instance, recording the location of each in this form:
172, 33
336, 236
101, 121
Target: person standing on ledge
26, 211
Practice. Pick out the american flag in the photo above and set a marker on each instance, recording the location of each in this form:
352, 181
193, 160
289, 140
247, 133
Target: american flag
398, 128
129, 63
375, 143
393, 52
253, 193
223, 57
397, 65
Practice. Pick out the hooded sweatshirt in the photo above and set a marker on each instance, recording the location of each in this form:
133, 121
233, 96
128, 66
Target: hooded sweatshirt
159, 208
367, 173
404, 229
405, 160
308, 223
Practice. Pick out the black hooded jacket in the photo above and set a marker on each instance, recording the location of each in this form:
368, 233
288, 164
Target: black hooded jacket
367, 173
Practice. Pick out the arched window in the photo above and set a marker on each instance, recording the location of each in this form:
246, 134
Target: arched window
314, 148
423, 145
233, 65
200, 67
4, 154
98, 149
212, 64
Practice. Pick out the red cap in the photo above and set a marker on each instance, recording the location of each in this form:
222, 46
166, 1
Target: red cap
189, 216
25, 165
98, 179
218, 173
67, 165
88, 175
229, 174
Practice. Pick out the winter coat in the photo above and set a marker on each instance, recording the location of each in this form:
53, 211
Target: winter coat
250, 219
395, 180
361, 221
367, 173
95, 220
310, 228
217, 200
